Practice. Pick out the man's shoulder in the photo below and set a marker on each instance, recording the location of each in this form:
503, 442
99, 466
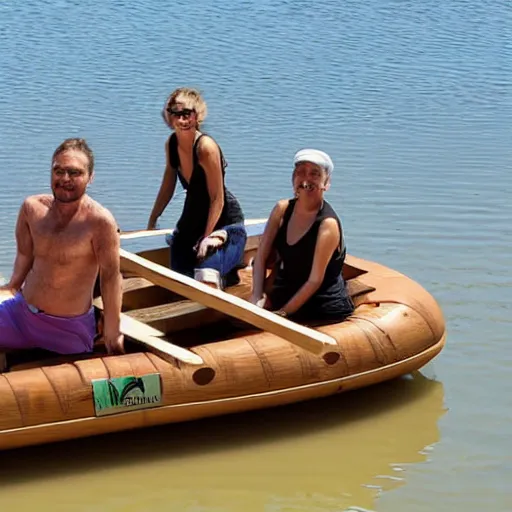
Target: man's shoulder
36, 203
100, 215
38, 199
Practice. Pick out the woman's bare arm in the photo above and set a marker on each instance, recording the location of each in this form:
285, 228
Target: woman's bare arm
166, 191
265, 249
210, 161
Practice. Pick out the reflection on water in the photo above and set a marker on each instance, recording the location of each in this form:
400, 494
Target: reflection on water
328, 454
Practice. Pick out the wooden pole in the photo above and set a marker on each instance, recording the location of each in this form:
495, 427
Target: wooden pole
304, 337
150, 338
142, 233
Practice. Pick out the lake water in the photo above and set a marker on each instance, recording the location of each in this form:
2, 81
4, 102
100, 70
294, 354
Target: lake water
413, 101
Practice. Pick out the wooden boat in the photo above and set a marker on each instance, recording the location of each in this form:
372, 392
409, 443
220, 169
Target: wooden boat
198, 361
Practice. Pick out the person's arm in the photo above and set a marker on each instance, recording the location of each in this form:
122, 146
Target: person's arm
106, 243
265, 248
210, 161
166, 191
327, 242
24, 250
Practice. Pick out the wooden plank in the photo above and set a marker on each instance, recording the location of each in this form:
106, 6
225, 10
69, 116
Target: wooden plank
177, 316
182, 314
160, 347
142, 233
306, 338
150, 337
131, 284
176, 310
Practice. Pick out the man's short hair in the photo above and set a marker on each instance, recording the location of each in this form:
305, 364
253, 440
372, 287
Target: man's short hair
78, 145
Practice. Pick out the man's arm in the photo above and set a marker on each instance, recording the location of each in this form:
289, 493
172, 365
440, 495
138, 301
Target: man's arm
24, 250
106, 244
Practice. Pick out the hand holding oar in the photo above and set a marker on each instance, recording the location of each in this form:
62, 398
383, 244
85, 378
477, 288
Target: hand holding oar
307, 338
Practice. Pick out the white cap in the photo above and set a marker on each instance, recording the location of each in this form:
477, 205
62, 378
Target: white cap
314, 156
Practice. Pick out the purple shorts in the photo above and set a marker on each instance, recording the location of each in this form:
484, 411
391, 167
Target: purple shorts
22, 326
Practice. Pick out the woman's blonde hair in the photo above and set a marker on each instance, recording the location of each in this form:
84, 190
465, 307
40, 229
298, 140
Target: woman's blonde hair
191, 98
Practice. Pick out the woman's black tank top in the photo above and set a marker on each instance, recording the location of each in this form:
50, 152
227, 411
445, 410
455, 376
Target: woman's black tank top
194, 216
331, 299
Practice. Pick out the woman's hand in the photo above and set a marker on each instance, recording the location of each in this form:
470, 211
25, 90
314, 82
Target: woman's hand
259, 301
210, 243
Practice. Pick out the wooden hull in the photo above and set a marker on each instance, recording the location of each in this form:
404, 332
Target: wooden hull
397, 328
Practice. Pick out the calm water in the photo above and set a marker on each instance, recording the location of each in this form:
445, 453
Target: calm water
413, 100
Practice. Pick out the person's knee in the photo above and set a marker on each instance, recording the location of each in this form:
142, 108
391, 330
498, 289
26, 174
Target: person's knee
237, 234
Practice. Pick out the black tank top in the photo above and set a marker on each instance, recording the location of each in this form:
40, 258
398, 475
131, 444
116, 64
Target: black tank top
331, 299
194, 216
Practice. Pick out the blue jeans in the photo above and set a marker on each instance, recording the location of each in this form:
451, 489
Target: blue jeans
226, 260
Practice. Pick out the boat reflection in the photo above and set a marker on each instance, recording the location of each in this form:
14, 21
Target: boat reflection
328, 454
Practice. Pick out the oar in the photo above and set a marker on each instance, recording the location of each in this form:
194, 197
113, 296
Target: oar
141, 233
145, 334
304, 337
150, 337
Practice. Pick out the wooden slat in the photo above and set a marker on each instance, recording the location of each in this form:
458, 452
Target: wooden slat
150, 337
186, 314
307, 338
142, 233
176, 309
163, 348
177, 316
135, 283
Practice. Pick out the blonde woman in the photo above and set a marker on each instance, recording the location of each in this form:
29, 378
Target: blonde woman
209, 240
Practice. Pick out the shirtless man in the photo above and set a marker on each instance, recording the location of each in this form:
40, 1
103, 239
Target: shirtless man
63, 241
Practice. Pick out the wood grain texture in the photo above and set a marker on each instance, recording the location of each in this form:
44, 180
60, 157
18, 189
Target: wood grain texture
307, 339
152, 339
397, 327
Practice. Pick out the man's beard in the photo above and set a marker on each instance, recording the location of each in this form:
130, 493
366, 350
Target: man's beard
67, 196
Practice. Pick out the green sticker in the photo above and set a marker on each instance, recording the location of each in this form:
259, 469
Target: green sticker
124, 394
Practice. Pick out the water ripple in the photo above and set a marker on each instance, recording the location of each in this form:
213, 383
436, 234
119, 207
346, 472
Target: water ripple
413, 100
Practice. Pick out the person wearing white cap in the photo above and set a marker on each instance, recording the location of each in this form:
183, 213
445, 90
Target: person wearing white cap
303, 244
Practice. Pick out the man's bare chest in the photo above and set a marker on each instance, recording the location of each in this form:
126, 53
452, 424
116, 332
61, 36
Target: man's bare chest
61, 241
